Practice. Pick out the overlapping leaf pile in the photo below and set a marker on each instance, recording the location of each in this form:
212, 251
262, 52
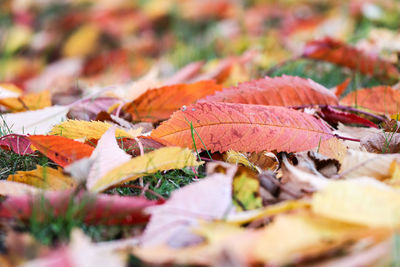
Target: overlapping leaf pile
280, 170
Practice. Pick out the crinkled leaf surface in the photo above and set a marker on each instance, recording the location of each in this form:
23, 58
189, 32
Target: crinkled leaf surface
241, 127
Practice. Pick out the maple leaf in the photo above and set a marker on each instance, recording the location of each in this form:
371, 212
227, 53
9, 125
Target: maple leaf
158, 104
165, 158
277, 91
341, 54
383, 99
44, 178
76, 129
61, 150
242, 127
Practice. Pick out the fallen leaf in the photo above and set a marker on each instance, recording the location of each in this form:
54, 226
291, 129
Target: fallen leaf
76, 129
277, 91
382, 99
334, 116
44, 178
341, 54
94, 209
246, 192
88, 109
358, 203
241, 127
61, 150
159, 104
105, 157
158, 160
33, 101
82, 42
9, 188
9, 90
382, 143
34, 122
183, 210
19, 144
333, 148
358, 163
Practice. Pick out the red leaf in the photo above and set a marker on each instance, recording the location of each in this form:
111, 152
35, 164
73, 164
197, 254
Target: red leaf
61, 150
243, 127
334, 116
19, 144
96, 209
341, 54
278, 91
132, 147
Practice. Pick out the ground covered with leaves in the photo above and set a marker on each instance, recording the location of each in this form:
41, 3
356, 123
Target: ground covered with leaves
199, 133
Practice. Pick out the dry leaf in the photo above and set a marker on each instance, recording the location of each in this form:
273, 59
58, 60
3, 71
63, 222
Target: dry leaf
33, 101
158, 160
9, 188
183, 210
44, 178
159, 104
76, 129
34, 122
382, 143
359, 203
241, 127
61, 150
277, 91
333, 148
382, 99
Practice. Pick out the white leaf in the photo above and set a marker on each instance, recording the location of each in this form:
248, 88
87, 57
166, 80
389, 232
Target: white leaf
34, 122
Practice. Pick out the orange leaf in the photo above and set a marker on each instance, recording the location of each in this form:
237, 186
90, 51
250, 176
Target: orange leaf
159, 104
224, 126
382, 99
278, 91
341, 54
26, 102
61, 150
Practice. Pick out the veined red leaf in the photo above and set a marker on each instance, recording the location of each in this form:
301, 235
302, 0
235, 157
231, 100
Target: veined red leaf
332, 115
159, 104
19, 144
61, 150
96, 209
249, 128
344, 55
382, 99
278, 91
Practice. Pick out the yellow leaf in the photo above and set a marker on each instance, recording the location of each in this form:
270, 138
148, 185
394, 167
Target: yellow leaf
26, 102
165, 158
82, 42
44, 178
16, 37
246, 192
235, 157
76, 129
360, 203
9, 90
305, 235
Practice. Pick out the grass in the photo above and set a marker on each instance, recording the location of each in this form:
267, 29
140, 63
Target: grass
161, 183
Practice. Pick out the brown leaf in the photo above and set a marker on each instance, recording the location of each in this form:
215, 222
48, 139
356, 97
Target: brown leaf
382, 143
